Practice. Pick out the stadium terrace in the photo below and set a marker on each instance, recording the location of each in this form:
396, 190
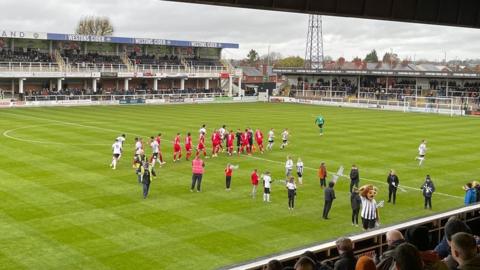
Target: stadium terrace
36, 61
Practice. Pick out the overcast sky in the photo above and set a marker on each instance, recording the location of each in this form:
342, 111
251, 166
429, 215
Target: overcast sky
283, 32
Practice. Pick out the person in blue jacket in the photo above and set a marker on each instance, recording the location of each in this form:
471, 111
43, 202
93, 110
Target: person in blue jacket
470, 194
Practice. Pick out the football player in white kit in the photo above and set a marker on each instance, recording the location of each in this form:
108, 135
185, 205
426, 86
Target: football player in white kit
155, 150
222, 131
203, 130
284, 138
121, 139
117, 151
267, 184
422, 151
271, 136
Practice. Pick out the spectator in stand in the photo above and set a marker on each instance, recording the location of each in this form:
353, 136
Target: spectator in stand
305, 263
273, 265
407, 257
465, 251
419, 237
394, 239
451, 228
365, 263
442, 248
470, 194
476, 185
347, 260
313, 257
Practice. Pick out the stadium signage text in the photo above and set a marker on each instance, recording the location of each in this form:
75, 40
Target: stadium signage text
22, 34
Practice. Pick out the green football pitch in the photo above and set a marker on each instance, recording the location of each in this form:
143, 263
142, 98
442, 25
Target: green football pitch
62, 207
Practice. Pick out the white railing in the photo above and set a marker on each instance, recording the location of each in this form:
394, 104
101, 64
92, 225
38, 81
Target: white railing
29, 67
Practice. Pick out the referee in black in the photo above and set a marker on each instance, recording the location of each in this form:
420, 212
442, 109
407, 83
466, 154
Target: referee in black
393, 182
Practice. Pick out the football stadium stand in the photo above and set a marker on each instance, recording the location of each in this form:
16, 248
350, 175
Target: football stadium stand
34, 62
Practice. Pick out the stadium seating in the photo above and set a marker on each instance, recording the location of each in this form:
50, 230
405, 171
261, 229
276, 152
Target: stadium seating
374, 243
24, 55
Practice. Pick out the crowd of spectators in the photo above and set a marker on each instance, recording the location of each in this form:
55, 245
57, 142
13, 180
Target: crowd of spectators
110, 91
150, 59
24, 55
413, 250
76, 57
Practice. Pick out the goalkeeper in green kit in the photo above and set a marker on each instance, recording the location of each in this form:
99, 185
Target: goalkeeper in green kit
320, 121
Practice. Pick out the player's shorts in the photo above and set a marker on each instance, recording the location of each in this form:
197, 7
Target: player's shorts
270, 141
266, 190
155, 155
201, 147
320, 125
188, 147
259, 142
422, 156
238, 143
177, 148
285, 141
299, 174
116, 155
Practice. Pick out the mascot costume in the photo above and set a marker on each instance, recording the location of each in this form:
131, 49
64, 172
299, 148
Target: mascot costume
369, 213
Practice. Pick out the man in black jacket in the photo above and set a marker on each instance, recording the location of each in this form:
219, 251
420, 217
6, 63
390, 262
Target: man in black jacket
354, 177
329, 197
392, 181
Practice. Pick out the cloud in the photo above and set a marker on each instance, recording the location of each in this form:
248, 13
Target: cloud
282, 32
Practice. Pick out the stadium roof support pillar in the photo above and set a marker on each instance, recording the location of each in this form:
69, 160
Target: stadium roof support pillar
125, 84
13, 87
416, 88
359, 79
331, 85
239, 83
94, 85
155, 84
20, 85
59, 84
207, 83
182, 84
230, 86
446, 92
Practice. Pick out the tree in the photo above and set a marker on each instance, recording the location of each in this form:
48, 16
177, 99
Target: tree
95, 26
390, 58
341, 61
291, 61
271, 58
372, 57
252, 57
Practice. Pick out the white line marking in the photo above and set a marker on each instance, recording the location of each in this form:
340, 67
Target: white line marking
372, 180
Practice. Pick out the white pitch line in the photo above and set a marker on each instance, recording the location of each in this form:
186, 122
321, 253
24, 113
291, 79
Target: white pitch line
7, 134
372, 180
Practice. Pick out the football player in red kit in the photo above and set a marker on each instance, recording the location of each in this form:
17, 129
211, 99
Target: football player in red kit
259, 139
230, 139
201, 145
177, 149
245, 142
188, 145
160, 156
